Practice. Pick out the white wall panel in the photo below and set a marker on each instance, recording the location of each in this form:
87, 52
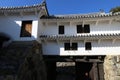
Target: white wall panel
100, 28
12, 26
105, 47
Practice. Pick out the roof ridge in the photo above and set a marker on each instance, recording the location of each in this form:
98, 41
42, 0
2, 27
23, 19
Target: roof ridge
77, 16
94, 13
19, 7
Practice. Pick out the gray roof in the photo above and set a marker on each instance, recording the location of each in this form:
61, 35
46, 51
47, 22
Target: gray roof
81, 37
20, 7
77, 16
37, 7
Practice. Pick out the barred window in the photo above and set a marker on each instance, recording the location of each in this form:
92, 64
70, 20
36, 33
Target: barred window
87, 28
88, 46
79, 29
72, 46
61, 29
67, 46
83, 29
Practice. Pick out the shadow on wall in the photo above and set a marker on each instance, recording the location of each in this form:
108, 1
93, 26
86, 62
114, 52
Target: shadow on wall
4, 40
31, 66
17, 29
27, 57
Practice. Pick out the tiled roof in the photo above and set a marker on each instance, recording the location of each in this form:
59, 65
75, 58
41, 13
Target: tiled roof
24, 9
21, 7
81, 37
77, 16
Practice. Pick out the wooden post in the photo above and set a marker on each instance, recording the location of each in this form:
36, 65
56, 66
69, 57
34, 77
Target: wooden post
100, 71
95, 72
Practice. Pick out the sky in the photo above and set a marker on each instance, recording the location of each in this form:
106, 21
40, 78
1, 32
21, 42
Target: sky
67, 6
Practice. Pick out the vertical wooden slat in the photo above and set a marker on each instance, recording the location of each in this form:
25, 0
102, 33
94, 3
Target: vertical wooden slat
101, 71
95, 72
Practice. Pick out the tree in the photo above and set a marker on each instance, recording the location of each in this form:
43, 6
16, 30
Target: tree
115, 9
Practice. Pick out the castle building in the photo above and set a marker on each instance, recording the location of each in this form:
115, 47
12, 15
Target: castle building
81, 38
21, 23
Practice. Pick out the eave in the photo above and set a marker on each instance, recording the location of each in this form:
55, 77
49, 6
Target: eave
25, 10
81, 37
81, 17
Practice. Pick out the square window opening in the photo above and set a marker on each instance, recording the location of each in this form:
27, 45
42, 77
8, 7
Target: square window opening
26, 29
61, 29
88, 46
72, 46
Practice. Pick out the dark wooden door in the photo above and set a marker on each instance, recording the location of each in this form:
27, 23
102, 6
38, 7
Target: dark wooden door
82, 70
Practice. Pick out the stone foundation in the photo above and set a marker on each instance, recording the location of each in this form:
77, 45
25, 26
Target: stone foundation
112, 67
16, 58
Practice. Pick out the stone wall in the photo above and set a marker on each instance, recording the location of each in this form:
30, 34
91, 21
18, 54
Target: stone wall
112, 67
18, 57
23, 60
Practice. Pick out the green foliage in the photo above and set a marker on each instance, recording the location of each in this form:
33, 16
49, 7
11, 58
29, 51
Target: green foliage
116, 9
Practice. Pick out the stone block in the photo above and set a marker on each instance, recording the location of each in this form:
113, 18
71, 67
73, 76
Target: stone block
1, 77
117, 78
118, 65
118, 72
9, 77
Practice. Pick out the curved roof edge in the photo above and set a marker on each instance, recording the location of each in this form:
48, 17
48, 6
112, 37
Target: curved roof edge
77, 16
20, 7
35, 7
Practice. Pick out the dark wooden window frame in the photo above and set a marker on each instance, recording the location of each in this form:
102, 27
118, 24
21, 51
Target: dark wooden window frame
67, 46
83, 29
88, 46
72, 46
79, 29
86, 28
61, 29
24, 32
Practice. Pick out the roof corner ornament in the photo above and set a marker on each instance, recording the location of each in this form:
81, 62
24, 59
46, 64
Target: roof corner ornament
44, 10
44, 2
102, 11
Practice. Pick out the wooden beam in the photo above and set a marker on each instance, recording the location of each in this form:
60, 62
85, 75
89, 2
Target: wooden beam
70, 42
83, 23
95, 71
99, 41
57, 41
45, 41
36, 12
21, 14
85, 58
96, 23
100, 57
43, 23
5, 14
110, 22
113, 41
70, 24
85, 41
